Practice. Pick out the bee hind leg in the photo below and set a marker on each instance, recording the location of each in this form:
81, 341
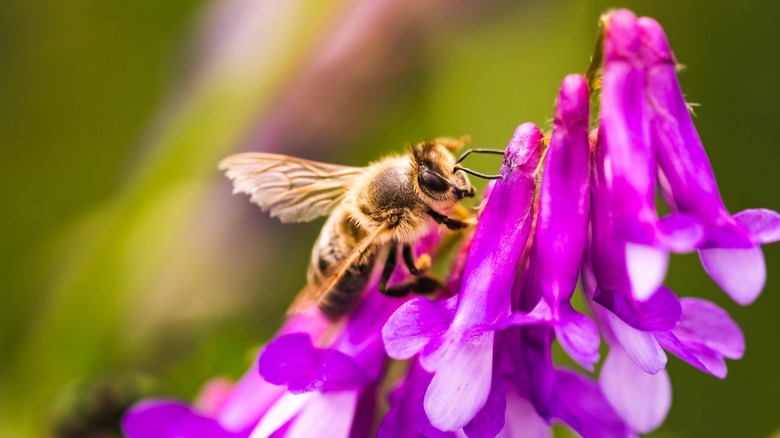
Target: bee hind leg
421, 265
387, 271
422, 285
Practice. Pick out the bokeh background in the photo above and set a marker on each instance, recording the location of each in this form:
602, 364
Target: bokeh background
127, 268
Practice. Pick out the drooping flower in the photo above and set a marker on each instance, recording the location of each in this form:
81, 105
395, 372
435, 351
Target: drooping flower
731, 252
638, 317
639, 46
556, 255
562, 225
627, 165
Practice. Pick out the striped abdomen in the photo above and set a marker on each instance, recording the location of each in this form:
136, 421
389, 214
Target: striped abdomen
338, 239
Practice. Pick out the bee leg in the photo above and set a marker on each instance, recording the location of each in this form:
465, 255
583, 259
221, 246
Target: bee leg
422, 285
387, 271
424, 261
452, 224
425, 285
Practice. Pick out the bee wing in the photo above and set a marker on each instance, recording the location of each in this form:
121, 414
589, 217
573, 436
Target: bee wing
292, 189
314, 294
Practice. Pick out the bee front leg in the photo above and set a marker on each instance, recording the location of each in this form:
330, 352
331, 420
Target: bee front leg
452, 224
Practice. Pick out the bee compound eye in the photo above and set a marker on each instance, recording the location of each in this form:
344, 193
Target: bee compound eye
433, 182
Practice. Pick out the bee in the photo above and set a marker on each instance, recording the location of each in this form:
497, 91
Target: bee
389, 204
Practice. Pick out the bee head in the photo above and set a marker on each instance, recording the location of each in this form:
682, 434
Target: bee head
434, 166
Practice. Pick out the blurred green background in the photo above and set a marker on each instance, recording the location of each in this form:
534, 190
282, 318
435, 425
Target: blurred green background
127, 268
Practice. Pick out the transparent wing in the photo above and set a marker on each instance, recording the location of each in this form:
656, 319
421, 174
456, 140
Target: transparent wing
291, 189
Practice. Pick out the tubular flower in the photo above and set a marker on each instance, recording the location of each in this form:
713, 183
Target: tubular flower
568, 206
730, 253
562, 225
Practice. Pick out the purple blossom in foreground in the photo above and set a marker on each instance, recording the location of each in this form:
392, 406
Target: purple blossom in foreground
313, 380
480, 362
227, 412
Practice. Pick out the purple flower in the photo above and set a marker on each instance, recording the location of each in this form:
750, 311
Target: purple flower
633, 377
455, 337
227, 412
575, 400
633, 45
562, 225
406, 416
556, 255
731, 252
626, 164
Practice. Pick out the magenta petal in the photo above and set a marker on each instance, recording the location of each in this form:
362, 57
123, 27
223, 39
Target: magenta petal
169, 419
711, 359
700, 356
522, 420
582, 406
626, 156
579, 337
423, 424
460, 389
540, 314
325, 414
537, 366
250, 398
413, 325
677, 146
293, 361
661, 312
705, 334
641, 399
490, 419
564, 201
646, 266
706, 323
681, 232
641, 347
501, 234
687, 173
406, 416
763, 224
740, 272
281, 414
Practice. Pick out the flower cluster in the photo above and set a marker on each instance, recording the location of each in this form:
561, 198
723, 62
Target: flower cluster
480, 361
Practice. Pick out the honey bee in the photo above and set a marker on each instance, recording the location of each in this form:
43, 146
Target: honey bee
387, 204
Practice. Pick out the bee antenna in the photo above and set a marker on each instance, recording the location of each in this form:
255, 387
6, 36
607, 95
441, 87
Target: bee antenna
479, 151
477, 174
